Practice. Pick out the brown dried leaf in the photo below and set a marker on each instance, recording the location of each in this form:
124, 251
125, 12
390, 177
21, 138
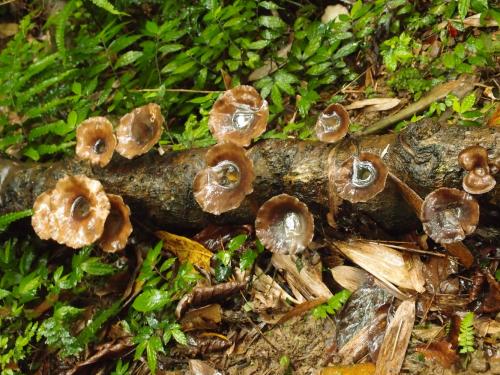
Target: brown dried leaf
487, 327
350, 278
357, 369
397, 337
270, 66
374, 105
8, 29
442, 351
207, 317
197, 367
186, 249
302, 308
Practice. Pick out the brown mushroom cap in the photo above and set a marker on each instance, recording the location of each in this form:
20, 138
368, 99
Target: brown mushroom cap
42, 219
478, 181
95, 141
228, 178
448, 215
238, 116
79, 207
139, 130
117, 227
284, 225
473, 157
332, 124
361, 178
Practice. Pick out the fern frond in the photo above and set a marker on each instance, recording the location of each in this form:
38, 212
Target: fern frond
59, 128
7, 219
466, 335
61, 22
107, 6
333, 305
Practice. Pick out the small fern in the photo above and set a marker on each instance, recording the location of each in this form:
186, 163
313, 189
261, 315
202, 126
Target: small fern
333, 305
59, 128
466, 336
7, 219
61, 22
107, 6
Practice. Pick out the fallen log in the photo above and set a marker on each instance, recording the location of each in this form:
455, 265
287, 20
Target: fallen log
159, 187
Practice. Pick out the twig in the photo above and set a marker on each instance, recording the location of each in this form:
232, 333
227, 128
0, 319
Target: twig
410, 249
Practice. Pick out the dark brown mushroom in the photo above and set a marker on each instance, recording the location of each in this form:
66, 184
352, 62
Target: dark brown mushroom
360, 178
332, 124
238, 116
95, 141
284, 225
448, 215
228, 178
79, 207
117, 227
139, 130
478, 180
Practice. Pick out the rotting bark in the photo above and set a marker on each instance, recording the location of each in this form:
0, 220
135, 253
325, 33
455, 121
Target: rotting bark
160, 187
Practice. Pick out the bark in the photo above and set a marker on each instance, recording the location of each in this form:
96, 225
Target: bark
160, 187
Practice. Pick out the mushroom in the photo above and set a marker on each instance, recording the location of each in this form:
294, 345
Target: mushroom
332, 124
238, 116
226, 181
360, 178
117, 227
95, 141
139, 130
478, 180
79, 207
448, 215
284, 225
42, 219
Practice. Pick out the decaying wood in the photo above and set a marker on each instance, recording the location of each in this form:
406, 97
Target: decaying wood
157, 186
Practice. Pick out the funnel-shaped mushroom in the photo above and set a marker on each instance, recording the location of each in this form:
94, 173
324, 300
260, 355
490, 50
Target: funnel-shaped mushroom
478, 180
238, 116
360, 178
117, 227
139, 130
95, 141
332, 124
226, 181
284, 225
42, 219
448, 215
79, 207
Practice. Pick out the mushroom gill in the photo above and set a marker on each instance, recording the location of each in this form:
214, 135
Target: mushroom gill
332, 124
238, 116
478, 179
448, 215
95, 141
79, 207
139, 130
361, 178
117, 227
284, 225
228, 178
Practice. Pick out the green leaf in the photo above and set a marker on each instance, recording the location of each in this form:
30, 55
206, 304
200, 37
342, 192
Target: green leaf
224, 256
108, 7
153, 346
94, 266
127, 58
7, 219
236, 242
271, 22
259, 44
247, 259
4, 293
179, 336
268, 5
467, 103
151, 300
466, 335
333, 305
346, 50
463, 8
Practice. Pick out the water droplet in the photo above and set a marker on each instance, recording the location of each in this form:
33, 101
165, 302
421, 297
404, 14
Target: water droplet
243, 117
80, 208
363, 173
330, 121
226, 174
100, 146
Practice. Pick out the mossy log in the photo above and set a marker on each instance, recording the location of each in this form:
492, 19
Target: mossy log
159, 187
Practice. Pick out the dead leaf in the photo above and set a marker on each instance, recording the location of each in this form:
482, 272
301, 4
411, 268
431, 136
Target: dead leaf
302, 308
197, 367
332, 12
442, 351
397, 336
485, 326
357, 369
206, 317
186, 249
472, 21
8, 29
350, 278
375, 104
270, 66
494, 120
383, 262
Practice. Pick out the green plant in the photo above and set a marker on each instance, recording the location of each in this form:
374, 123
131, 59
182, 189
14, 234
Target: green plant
7, 219
398, 51
332, 306
466, 335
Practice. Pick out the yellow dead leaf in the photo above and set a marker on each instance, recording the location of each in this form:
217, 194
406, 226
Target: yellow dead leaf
186, 249
358, 369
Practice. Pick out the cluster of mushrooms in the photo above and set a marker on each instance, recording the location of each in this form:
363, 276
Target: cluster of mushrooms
77, 211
